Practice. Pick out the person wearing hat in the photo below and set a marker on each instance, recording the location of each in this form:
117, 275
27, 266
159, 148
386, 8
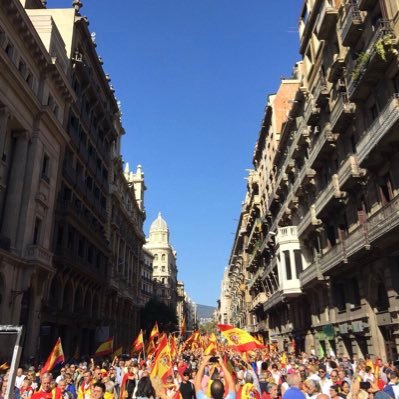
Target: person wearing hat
186, 388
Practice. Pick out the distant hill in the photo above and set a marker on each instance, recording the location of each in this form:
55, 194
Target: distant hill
205, 313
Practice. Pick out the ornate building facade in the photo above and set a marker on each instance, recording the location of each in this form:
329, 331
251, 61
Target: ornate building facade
322, 265
71, 220
164, 264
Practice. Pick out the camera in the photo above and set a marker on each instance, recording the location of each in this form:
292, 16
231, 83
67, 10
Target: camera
214, 359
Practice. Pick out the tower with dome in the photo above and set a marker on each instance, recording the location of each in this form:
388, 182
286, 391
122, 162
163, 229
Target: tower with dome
164, 263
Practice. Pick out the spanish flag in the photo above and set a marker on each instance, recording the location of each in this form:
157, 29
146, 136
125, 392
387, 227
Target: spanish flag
56, 356
138, 344
239, 339
106, 348
192, 342
151, 349
154, 331
173, 346
118, 352
212, 338
211, 349
183, 327
162, 366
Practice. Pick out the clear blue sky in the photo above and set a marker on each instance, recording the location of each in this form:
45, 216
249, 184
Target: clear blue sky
193, 77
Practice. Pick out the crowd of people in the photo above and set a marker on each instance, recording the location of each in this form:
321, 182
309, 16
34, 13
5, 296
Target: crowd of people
227, 374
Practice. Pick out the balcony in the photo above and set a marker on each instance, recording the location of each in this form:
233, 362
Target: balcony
332, 191
321, 92
286, 234
311, 273
308, 220
312, 113
369, 66
326, 19
352, 24
336, 67
382, 125
258, 301
256, 278
38, 254
342, 113
363, 236
350, 172
325, 143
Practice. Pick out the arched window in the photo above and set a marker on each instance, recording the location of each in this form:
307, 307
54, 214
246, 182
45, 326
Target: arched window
156, 257
163, 257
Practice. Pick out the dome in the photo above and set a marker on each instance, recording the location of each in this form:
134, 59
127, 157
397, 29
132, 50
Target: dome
159, 224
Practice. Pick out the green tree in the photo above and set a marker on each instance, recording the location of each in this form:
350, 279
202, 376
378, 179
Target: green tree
208, 328
157, 311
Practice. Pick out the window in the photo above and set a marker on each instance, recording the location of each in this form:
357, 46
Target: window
298, 262
355, 291
90, 254
81, 247
60, 236
71, 238
331, 235
339, 295
36, 231
163, 257
45, 168
288, 265
386, 193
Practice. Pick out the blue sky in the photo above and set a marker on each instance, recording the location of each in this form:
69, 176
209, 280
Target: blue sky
193, 78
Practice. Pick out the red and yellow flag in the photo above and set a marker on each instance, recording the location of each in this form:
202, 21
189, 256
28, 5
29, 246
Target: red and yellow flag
138, 343
106, 348
210, 349
56, 356
154, 332
183, 327
162, 366
193, 341
238, 339
173, 346
151, 349
118, 352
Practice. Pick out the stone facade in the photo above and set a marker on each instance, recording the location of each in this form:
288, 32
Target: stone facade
323, 265
164, 264
71, 221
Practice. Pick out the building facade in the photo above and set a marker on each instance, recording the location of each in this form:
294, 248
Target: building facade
323, 269
147, 283
164, 264
71, 220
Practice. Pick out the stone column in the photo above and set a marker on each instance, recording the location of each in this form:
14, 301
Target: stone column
15, 187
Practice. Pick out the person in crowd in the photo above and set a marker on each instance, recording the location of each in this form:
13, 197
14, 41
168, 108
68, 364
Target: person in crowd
145, 390
271, 391
45, 390
392, 388
345, 389
294, 384
311, 388
26, 390
186, 388
84, 391
217, 387
97, 391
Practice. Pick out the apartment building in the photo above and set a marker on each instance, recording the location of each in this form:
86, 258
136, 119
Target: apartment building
71, 220
324, 265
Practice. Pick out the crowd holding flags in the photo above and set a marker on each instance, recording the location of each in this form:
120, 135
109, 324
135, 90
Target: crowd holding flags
56, 357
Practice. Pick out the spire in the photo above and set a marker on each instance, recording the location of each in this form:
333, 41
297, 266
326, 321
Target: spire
127, 168
77, 5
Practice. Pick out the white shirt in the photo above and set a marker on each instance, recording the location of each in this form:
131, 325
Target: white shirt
19, 380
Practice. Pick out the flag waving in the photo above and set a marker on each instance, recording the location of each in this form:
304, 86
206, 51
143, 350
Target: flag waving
138, 344
183, 327
162, 366
239, 339
56, 357
106, 348
154, 331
